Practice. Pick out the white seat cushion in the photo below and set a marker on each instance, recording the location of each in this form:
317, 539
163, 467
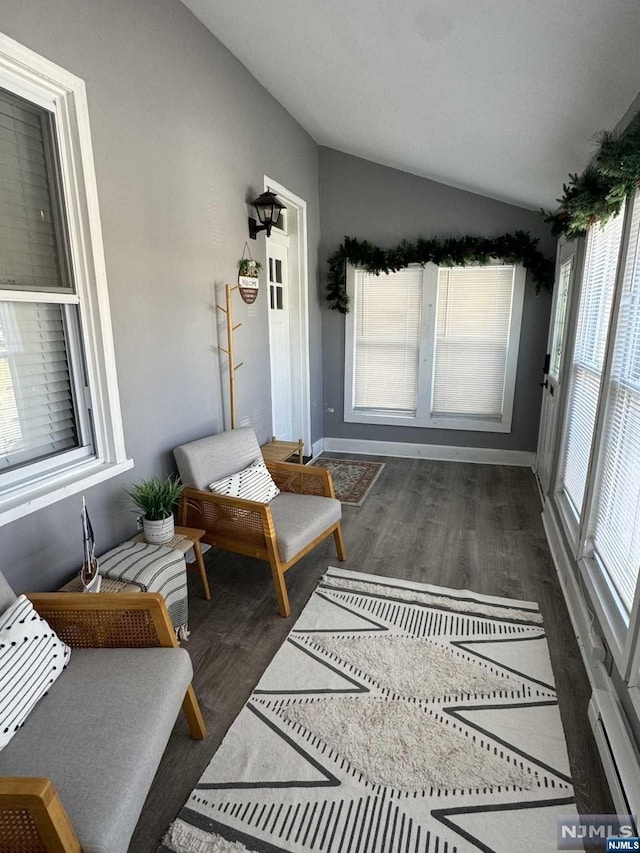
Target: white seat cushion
299, 519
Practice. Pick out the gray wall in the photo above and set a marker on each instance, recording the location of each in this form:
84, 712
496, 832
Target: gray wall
183, 135
361, 199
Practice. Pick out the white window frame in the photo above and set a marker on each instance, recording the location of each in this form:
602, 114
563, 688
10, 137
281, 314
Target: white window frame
621, 632
619, 629
30, 76
423, 417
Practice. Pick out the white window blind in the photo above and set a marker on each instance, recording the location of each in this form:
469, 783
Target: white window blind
596, 298
40, 347
616, 509
388, 310
472, 339
37, 416
28, 246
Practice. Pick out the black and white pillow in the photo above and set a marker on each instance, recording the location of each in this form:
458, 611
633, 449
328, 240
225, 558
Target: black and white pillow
254, 483
32, 656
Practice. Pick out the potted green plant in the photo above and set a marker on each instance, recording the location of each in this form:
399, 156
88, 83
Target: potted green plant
250, 268
157, 498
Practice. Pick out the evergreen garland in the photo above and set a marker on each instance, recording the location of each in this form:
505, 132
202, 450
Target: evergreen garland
517, 248
594, 196
599, 192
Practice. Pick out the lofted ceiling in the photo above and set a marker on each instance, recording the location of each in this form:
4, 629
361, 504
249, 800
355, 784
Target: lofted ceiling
501, 97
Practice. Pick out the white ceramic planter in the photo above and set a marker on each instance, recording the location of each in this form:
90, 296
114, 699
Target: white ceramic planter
158, 532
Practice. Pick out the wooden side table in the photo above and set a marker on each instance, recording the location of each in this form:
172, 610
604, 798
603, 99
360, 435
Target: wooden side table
184, 539
280, 451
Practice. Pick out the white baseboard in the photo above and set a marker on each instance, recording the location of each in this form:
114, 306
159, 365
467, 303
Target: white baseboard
317, 447
443, 452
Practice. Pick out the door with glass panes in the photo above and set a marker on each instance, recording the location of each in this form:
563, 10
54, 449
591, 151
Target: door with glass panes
552, 368
280, 335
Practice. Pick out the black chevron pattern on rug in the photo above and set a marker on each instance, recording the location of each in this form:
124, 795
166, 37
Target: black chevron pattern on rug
276, 784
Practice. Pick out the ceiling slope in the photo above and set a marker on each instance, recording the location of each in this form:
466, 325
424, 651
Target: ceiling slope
501, 98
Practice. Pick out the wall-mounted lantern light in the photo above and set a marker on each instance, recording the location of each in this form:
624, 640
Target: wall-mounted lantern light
268, 208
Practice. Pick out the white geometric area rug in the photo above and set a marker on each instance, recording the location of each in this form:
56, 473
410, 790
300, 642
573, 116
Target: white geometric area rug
396, 717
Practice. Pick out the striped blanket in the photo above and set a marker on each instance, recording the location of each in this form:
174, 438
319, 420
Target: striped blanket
154, 568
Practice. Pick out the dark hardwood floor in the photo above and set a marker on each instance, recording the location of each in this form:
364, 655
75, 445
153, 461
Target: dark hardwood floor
448, 523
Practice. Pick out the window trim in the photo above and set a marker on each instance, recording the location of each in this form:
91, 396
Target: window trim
620, 633
576, 522
423, 418
36, 79
619, 630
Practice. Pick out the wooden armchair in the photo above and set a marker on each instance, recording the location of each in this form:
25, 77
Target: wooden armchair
34, 815
280, 532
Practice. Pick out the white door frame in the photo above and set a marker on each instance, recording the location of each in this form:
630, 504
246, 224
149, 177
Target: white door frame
297, 207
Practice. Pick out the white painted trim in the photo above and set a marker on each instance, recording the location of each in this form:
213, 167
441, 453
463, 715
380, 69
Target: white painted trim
73, 482
589, 643
301, 360
465, 424
423, 416
513, 346
605, 713
317, 448
349, 347
443, 452
609, 610
35, 78
568, 518
53, 298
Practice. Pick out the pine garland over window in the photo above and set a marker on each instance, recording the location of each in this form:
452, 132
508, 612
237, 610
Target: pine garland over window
594, 196
599, 192
517, 248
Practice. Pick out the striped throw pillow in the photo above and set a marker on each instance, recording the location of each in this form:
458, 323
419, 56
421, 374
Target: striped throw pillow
254, 483
31, 658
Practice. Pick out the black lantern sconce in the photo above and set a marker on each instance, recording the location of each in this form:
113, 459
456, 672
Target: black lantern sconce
268, 208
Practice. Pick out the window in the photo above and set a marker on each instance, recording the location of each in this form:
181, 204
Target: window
557, 337
596, 298
41, 384
39, 412
387, 346
434, 347
472, 340
60, 427
615, 533
599, 484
